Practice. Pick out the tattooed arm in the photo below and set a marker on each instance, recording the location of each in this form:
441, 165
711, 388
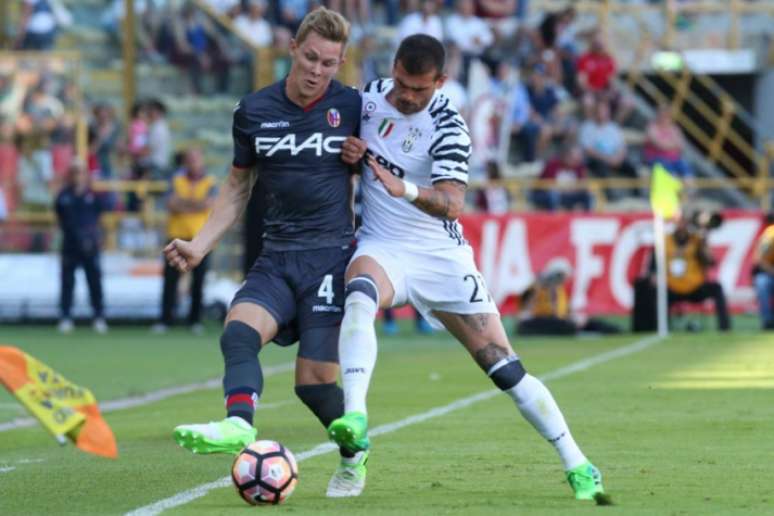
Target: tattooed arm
445, 199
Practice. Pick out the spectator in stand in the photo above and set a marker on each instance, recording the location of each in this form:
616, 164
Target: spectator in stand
230, 8
106, 132
200, 48
291, 12
38, 26
192, 193
78, 210
664, 144
41, 114
422, 19
603, 142
137, 148
524, 129
494, 197
763, 274
596, 70
357, 12
566, 171
500, 15
12, 93
469, 33
544, 103
159, 140
454, 90
253, 26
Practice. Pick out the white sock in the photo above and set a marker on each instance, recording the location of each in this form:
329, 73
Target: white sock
357, 349
537, 405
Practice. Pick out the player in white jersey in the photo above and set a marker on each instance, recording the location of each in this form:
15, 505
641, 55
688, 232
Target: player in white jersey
411, 249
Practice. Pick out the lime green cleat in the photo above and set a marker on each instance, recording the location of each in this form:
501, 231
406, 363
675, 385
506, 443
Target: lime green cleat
228, 436
350, 431
349, 478
586, 481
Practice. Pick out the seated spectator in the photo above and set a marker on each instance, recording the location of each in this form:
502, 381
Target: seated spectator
596, 71
763, 274
544, 104
422, 20
545, 309
566, 170
40, 20
454, 90
664, 144
524, 128
200, 48
469, 33
500, 15
159, 140
106, 132
603, 142
253, 26
291, 12
230, 8
493, 198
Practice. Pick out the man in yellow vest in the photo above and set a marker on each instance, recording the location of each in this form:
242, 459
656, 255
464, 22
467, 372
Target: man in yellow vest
763, 274
546, 310
688, 259
191, 195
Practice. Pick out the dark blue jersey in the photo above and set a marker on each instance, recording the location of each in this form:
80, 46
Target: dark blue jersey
297, 152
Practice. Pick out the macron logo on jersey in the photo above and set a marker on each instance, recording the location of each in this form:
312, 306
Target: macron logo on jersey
269, 146
282, 124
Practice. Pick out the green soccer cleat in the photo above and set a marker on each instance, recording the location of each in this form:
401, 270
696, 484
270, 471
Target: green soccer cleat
586, 481
350, 431
228, 436
349, 478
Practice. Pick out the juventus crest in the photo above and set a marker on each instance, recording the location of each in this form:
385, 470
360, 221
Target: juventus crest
412, 136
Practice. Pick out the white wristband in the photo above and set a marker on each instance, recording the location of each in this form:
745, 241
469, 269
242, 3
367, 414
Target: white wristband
412, 191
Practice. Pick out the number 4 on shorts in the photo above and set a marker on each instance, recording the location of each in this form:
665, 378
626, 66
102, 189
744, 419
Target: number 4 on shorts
326, 288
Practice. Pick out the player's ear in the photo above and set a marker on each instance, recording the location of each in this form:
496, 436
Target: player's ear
292, 47
439, 82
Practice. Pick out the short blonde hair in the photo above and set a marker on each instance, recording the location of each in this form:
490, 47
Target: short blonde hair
329, 24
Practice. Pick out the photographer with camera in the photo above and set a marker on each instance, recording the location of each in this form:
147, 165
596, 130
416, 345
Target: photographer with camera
688, 260
545, 308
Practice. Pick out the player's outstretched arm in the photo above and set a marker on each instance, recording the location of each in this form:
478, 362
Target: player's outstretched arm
445, 199
228, 207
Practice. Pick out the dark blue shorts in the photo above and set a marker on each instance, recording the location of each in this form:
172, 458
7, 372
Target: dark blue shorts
304, 292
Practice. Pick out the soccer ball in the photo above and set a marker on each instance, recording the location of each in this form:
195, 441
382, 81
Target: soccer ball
265, 472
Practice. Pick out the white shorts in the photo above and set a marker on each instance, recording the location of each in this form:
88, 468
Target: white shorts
445, 281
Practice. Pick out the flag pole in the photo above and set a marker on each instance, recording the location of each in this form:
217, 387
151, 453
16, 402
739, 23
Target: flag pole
661, 276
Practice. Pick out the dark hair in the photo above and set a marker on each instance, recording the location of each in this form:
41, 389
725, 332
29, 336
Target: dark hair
420, 54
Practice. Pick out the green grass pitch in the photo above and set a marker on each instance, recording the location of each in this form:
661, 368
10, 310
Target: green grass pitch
682, 427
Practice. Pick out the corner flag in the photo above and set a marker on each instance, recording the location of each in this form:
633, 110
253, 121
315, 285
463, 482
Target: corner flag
664, 192
62, 407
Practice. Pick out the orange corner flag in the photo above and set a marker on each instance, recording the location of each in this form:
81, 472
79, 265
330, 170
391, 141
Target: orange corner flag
62, 407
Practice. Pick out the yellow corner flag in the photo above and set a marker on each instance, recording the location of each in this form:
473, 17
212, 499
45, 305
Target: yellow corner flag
664, 192
62, 407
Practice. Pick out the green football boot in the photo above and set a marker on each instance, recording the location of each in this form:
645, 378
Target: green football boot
230, 435
350, 431
349, 478
586, 482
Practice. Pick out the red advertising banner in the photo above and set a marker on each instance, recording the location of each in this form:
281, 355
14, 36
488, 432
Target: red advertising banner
607, 252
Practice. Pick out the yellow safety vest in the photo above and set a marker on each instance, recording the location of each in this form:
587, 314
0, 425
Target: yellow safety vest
549, 301
685, 273
186, 225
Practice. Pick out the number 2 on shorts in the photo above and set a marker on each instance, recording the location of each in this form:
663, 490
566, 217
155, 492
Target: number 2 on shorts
326, 288
478, 284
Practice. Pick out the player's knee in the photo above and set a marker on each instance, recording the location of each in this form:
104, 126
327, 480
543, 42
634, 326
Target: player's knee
240, 342
507, 373
363, 284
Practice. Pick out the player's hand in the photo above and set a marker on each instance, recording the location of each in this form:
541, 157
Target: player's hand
353, 149
393, 184
183, 255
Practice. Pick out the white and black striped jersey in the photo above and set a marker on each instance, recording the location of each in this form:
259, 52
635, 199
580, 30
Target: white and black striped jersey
425, 147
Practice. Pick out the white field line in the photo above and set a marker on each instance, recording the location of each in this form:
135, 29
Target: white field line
192, 494
7, 469
154, 396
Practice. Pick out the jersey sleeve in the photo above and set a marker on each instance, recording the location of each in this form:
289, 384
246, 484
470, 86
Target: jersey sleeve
244, 153
451, 146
